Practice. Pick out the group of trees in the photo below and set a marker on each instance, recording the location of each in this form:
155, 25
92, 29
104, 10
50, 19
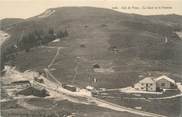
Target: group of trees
39, 37
30, 40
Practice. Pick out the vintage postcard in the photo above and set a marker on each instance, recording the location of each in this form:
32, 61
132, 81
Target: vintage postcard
91, 58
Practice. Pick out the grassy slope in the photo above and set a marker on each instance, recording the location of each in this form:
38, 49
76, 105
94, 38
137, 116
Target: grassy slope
168, 107
54, 108
139, 40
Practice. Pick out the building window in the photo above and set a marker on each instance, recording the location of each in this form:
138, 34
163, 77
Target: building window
172, 85
163, 84
151, 84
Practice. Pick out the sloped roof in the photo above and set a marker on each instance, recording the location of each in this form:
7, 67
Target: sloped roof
166, 78
21, 82
147, 80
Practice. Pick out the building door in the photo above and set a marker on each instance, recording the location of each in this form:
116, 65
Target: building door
147, 85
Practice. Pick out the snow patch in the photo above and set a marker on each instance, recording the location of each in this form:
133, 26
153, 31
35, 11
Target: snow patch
46, 14
56, 40
179, 34
104, 70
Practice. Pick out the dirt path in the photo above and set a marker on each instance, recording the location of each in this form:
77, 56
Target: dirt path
53, 60
160, 98
169, 97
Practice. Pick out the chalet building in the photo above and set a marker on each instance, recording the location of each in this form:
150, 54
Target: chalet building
164, 82
155, 84
147, 84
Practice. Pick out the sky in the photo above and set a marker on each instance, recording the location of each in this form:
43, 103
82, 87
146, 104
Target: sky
29, 8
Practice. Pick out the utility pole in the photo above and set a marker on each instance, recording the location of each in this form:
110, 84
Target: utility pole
92, 79
75, 70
